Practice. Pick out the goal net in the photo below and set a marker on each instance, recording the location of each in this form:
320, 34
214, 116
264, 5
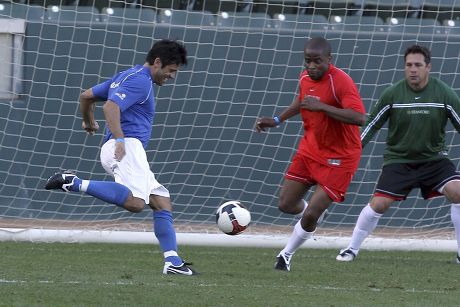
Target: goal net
244, 61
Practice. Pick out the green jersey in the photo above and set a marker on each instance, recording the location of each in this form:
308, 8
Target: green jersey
417, 121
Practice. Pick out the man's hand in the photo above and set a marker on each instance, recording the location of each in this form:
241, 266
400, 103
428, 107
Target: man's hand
265, 122
312, 103
90, 127
119, 150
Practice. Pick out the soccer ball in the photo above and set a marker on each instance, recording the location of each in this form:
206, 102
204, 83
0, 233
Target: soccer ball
232, 217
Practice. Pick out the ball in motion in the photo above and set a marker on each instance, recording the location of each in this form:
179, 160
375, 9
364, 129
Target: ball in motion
232, 217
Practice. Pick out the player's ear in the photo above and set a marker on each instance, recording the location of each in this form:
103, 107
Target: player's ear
157, 62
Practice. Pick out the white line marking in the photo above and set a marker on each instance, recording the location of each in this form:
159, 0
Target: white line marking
298, 287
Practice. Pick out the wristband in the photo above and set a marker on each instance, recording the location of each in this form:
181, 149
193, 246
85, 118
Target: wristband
120, 140
277, 120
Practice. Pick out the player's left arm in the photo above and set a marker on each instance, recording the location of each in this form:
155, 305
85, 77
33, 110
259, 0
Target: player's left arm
352, 109
346, 115
453, 108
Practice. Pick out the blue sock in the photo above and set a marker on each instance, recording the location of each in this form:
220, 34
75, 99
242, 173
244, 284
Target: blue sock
166, 235
76, 185
107, 191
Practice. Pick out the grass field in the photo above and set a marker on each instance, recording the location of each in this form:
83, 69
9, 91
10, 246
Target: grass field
61, 274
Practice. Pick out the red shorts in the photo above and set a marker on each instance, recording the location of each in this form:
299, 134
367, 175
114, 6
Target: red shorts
332, 179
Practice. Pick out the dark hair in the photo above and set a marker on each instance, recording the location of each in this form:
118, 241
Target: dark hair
169, 52
319, 43
419, 49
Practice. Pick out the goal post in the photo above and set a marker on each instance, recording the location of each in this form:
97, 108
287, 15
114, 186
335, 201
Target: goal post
203, 147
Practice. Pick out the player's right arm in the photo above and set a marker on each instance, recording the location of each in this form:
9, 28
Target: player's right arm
270, 122
377, 117
87, 106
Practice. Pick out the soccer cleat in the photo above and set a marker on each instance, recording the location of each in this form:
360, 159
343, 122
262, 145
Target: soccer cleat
182, 269
458, 258
283, 263
63, 181
346, 255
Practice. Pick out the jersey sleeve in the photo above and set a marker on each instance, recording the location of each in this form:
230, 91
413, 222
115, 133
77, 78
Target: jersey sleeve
452, 102
102, 90
377, 117
349, 96
133, 90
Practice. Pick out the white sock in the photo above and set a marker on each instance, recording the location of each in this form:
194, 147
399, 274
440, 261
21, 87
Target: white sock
297, 238
367, 221
455, 216
84, 185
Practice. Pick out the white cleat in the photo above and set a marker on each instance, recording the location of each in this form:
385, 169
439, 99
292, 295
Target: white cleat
346, 255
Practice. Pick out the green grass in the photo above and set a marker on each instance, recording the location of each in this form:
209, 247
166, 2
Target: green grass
46, 274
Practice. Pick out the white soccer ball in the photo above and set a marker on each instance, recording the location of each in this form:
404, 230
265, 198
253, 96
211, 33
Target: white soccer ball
232, 217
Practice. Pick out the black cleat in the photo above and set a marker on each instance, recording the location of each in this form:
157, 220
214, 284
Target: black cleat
62, 180
458, 258
283, 263
182, 269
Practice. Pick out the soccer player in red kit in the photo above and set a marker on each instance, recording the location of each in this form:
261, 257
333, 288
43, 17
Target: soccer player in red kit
329, 152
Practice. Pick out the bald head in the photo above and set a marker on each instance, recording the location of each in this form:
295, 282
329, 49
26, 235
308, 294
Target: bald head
320, 45
317, 55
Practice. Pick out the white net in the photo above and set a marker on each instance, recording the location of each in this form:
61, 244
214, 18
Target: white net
203, 148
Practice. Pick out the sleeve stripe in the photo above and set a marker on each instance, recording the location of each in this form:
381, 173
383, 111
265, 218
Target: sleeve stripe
374, 121
454, 114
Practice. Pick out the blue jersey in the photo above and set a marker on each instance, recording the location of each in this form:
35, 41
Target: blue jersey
132, 90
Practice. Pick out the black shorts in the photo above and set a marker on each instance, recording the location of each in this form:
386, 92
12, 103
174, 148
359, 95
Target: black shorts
398, 179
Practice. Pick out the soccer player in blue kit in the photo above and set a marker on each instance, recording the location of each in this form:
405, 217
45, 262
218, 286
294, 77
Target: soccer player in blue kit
129, 111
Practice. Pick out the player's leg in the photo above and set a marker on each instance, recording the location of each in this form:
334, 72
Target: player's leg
108, 191
290, 201
365, 225
291, 204
441, 178
394, 184
452, 191
121, 192
305, 228
163, 227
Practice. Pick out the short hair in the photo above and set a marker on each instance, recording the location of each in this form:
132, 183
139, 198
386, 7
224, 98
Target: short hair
414, 49
319, 43
169, 52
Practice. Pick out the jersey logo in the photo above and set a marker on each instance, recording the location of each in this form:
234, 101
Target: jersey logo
417, 98
121, 96
114, 84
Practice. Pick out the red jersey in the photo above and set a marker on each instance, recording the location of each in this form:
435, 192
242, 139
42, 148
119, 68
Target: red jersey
327, 140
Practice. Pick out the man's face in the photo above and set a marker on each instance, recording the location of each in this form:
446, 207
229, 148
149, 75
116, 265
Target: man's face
161, 75
416, 70
316, 63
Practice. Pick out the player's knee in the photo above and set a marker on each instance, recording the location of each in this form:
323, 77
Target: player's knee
454, 196
286, 206
159, 203
134, 205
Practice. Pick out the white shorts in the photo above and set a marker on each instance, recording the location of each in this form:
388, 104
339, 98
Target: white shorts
133, 171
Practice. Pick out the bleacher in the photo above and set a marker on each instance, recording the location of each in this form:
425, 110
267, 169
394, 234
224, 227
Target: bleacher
431, 17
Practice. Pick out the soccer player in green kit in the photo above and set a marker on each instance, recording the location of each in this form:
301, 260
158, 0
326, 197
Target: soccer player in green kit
417, 109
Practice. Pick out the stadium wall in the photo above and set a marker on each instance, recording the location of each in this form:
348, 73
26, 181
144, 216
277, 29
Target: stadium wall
74, 53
